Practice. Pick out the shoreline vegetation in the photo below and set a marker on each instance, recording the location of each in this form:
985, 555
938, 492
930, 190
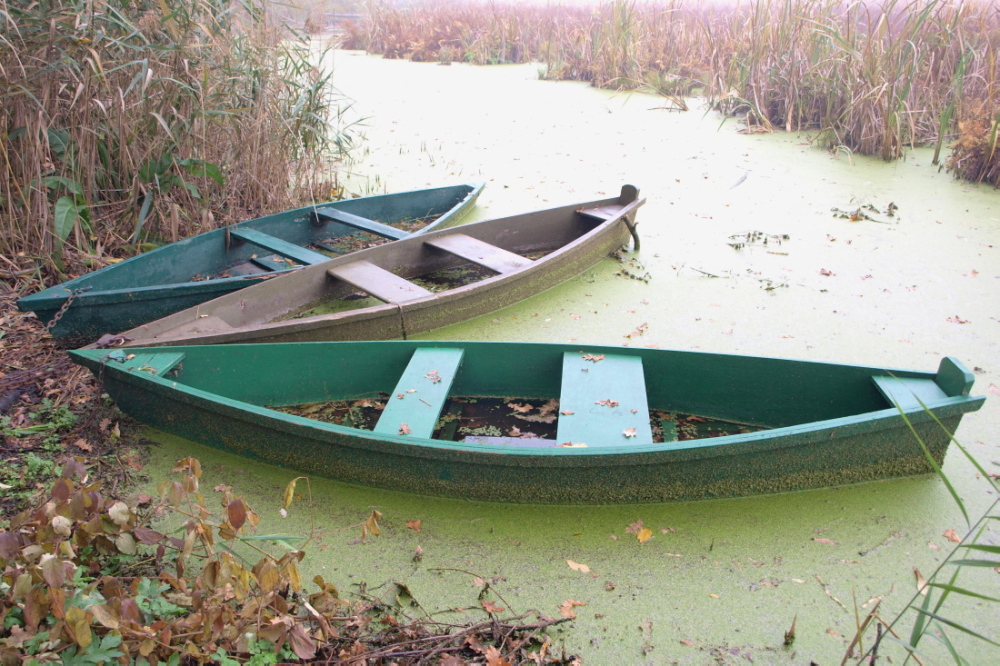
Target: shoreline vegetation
125, 125
870, 77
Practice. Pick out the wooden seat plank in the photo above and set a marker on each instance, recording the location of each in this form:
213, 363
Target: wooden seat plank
358, 222
378, 282
278, 246
909, 393
416, 402
607, 398
155, 363
478, 252
601, 212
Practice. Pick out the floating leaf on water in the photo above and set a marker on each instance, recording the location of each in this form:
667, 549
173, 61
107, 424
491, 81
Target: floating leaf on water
414, 525
566, 607
491, 607
576, 566
950, 535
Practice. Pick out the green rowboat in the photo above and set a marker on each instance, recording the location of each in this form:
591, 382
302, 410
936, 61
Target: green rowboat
413, 285
546, 423
194, 270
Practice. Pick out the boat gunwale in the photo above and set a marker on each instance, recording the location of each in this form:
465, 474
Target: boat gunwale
52, 298
785, 437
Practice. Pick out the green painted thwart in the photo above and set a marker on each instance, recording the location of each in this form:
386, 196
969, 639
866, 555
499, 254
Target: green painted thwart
155, 284
828, 424
571, 239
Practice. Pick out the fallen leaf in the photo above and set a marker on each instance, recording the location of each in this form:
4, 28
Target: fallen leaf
933, 546
614, 537
571, 445
667, 530
576, 566
414, 525
83, 444
404, 429
518, 407
478, 582
825, 272
950, 535
629, 432
644, 535
609, 586
714, 596
921, 581
606, 403
958, 320
491, 607
822, 540
494, 658
566, 607
593, 357
566, 412
418, 554
634, 527
994, 389
685, 641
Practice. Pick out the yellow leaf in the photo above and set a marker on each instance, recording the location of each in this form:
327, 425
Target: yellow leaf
372, 523
644, 535
950, 535
714, 596
290, 493
79, 624
921, 581
576, 566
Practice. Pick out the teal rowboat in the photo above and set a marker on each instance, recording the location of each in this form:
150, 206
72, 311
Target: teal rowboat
546, 423
197, 269
413, 285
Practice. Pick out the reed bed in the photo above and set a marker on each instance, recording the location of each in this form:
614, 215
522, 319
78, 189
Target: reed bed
871, 77
123, 123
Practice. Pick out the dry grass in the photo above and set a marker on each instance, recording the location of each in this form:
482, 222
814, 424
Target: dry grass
871, 77
121, 123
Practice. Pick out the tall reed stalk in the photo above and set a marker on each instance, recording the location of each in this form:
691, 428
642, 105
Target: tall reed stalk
124, 121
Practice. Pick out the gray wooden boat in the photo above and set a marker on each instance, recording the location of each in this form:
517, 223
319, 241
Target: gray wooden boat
412, 285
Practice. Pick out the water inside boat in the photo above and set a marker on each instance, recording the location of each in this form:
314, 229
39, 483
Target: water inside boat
508, 421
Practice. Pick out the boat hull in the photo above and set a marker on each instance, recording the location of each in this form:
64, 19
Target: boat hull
829, 425
156, 284
264, 313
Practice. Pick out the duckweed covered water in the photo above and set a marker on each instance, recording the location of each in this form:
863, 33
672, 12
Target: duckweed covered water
718, 581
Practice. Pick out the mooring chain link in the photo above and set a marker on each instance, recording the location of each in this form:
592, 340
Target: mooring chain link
65, 306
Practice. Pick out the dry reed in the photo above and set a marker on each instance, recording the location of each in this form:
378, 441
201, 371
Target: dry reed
872, 77
124, 122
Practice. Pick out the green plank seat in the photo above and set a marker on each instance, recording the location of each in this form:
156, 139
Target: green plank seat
585, 384
472, 249
274, 262
424, 389
278, 246
909, 393
155, 363
378, 282
358, 222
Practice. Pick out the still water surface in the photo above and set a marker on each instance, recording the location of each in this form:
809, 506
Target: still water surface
721, 579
